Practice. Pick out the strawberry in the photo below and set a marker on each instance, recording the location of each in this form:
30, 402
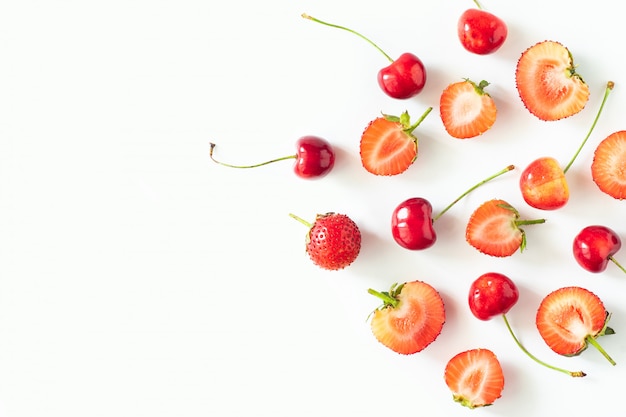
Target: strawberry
333, 241
388, 145
547, 82
466, 109
475, 378
609, 161
571, 318
494, 229
411, 317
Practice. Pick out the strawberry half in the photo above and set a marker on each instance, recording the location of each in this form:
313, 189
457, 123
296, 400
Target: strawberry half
494, 229
571, 318
547, 82
608, 168
475, 378
410, 318
466, 109
388, 145
333, 241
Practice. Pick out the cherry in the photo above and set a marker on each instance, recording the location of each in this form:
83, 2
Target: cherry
403, 78
594, 246
543, 183
412, 221
314, 157
481, 32
493, 294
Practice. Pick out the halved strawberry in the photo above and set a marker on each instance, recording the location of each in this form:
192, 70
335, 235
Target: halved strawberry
411, 317
466, 109
608, 168
494, 229
571, 318
388, 146
475, 378
547, 82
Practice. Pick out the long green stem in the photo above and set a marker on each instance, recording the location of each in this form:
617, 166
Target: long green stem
306, 16
478, 4
301, 220
507, 169
609, 87
386, 297
248, 166
533, 357
591, 340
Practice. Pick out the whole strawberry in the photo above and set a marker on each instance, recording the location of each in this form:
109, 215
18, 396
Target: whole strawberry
333, 241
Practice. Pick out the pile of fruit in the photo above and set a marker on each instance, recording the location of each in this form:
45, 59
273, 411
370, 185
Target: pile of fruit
412, 314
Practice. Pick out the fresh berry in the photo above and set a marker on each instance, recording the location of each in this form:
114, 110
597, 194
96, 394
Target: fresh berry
608, 166
412, 221
494, 294
571, 318
594, 246
547, 82
494, 229
481, 32
411, 317
403, 78
333, 241
543, 184
466, 109
314, 157
475, 378
388, 145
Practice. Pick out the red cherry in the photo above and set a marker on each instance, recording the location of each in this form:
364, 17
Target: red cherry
412, 224
412, 221
594, 246
403, 78
481, 32
314, 157
492, 294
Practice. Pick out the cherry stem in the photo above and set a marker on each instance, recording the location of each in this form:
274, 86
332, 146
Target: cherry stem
306, 16
591, 340
609, 87
505, 170
248, 166
301, 220
478, 4
540, 362
617, 263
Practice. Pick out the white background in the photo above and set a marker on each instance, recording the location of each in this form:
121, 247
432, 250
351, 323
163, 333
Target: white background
137, 278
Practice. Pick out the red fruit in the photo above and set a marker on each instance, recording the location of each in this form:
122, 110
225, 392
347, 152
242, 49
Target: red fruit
608, 168
547, 82
403, 78
388, 145
571, 318
494, 229
411, 317
333, 241
492, 294
543, 184
412, 221
475, 378
481, 32
594, 246
314, 157
466, 109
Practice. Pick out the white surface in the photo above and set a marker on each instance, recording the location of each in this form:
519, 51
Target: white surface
139, 279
